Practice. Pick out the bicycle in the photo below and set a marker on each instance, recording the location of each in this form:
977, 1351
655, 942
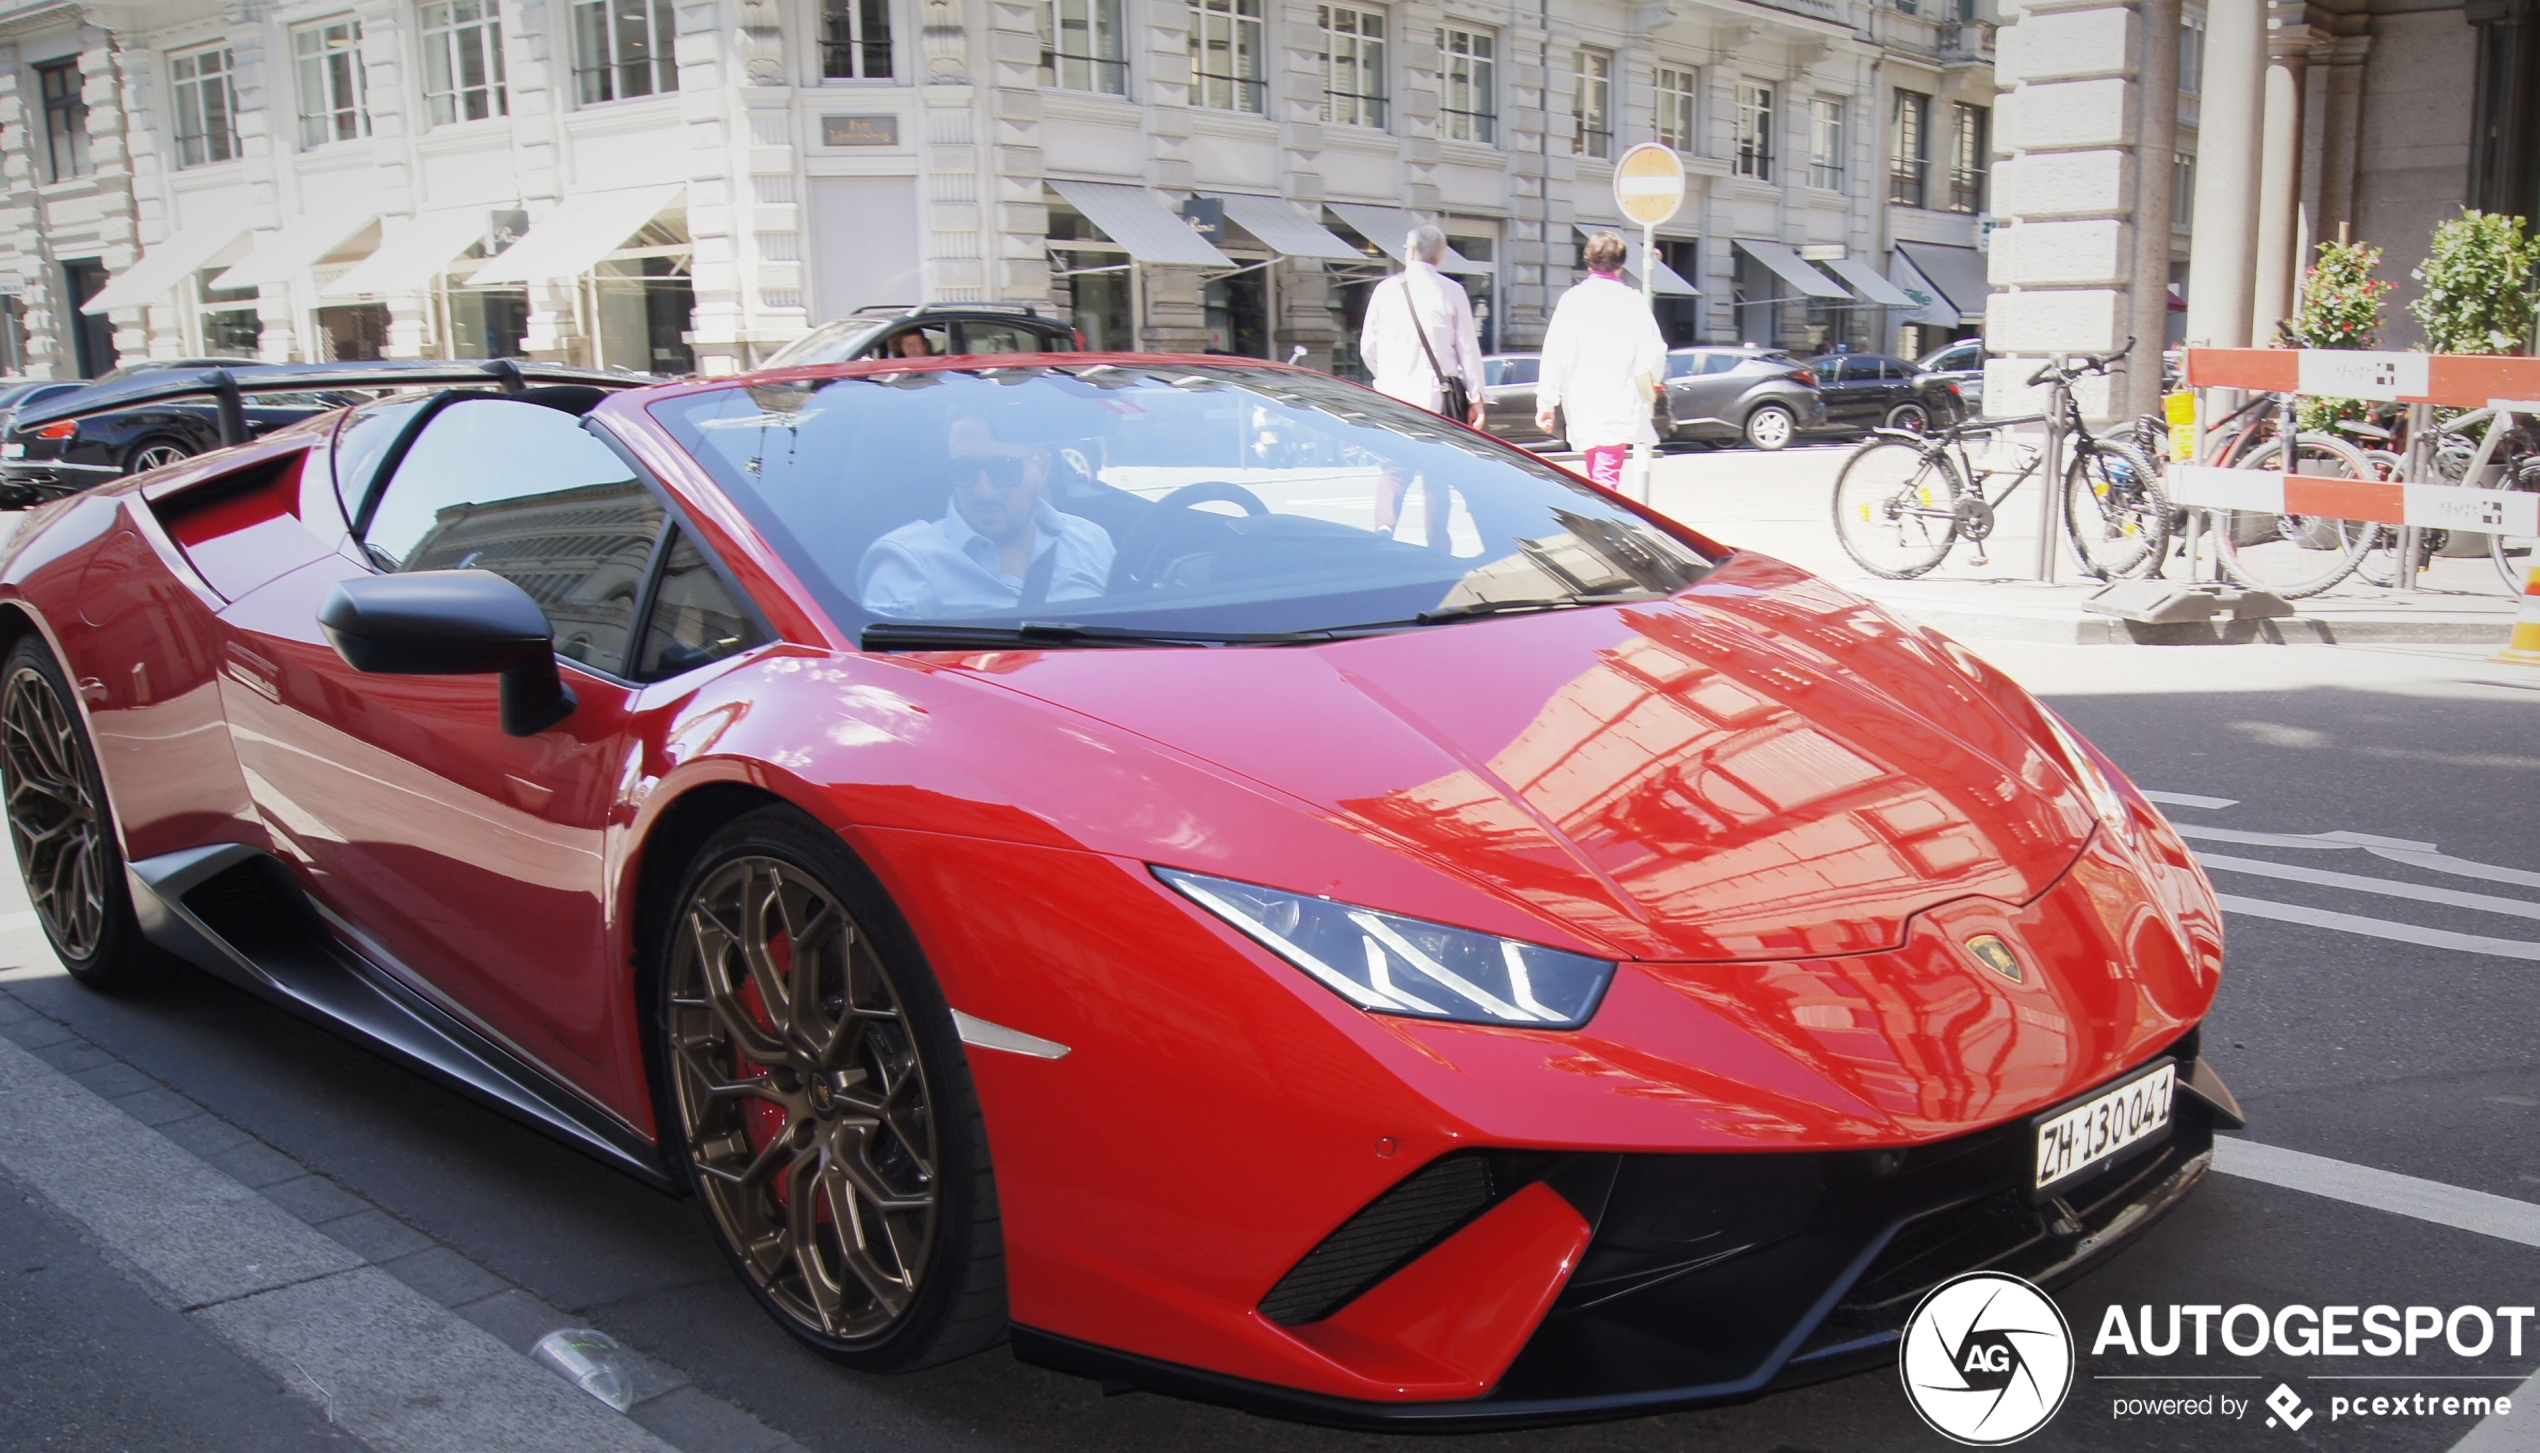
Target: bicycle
2505, 454
1903, 500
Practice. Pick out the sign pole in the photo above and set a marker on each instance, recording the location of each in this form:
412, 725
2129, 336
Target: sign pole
1649, 188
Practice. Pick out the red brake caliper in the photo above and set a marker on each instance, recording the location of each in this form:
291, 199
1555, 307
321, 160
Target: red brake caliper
766, 1121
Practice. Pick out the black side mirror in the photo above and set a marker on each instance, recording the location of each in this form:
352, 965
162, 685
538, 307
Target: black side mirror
453, 623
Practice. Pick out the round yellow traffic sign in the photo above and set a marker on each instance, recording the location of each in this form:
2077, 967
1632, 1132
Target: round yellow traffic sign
1649, 184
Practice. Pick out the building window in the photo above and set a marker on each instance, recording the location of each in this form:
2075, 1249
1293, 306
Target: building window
855, 40
1968, 153
2182, 191
1675, 94
206, 107
622, 49
1226, 55
65, 119
1907, 7
463, 61
1909, 162
1754, 155
1353, 65
2191, 54
334, 97
1470, 73
1081, 47
232, 328
1592, 102
1825, 143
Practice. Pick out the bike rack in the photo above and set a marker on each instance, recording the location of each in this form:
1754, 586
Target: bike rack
2423, 381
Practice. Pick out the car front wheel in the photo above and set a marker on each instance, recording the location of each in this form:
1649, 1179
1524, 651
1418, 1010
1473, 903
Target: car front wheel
819, 1103
1771, 426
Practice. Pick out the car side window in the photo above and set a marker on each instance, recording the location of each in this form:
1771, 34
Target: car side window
979, 337
1721, 362
1683, 365
932, 342
524, 491
696, 618
1522, 370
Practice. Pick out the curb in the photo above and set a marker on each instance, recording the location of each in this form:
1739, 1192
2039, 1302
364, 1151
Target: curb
403, 1342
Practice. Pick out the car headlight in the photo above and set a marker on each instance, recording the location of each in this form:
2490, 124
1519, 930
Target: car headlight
2094, 783
1387, 964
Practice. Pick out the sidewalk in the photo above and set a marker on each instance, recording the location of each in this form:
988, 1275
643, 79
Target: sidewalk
1779, 504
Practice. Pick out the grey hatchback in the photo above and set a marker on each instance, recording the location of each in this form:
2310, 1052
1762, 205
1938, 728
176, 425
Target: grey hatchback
1721, 395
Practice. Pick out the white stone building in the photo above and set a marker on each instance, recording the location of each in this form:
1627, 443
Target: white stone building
676, 184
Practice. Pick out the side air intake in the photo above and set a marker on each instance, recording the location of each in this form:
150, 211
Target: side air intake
1387, 1233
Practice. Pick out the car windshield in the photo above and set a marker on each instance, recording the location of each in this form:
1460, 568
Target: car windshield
828, 343
1196, 501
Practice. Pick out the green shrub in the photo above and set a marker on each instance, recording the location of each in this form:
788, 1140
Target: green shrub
2340, 308
2478, 285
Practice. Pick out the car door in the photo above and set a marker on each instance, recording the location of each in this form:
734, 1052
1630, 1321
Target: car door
1508, 398
468, 859
1846, 383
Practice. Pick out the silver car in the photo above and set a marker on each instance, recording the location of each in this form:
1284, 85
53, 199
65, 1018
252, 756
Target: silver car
1961, 363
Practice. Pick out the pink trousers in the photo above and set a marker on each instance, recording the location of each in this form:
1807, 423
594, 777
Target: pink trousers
1605, 464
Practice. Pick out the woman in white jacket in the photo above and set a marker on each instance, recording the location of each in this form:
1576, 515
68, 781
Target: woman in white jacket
1602, 359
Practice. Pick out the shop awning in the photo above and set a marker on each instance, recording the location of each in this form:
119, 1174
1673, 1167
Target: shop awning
1930, 306
279, 256
1792, 269
1955, 273
1666, 279
412, 256
201, 238
1865, 281
1388, 227
1284, 229
1138, 220
577, 235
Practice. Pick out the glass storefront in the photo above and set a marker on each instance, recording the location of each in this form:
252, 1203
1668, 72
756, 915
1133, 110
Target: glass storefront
647, 308
352, 333
488, 322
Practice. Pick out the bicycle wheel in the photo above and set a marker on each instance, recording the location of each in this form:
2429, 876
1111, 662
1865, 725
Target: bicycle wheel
2116, 512
2296, 555
1895, 508
2379, 564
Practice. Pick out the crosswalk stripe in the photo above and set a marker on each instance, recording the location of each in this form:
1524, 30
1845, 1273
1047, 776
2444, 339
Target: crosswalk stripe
2389, 887
2458, 1207
2470, 943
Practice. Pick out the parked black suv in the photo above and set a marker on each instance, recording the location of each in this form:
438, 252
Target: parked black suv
1865, 391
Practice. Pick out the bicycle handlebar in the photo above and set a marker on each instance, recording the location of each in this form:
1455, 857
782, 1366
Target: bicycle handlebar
2066, 372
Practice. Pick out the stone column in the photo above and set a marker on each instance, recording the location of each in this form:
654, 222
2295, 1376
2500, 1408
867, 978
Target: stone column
2064, 264
2279, 172
2223, 254
2156, 145
1018, 217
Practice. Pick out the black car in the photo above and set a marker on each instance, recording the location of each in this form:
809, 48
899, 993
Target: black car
1865, 391
930, 330
74, 454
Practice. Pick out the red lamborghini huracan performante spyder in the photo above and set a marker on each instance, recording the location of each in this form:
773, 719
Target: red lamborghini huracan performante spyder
1234, 884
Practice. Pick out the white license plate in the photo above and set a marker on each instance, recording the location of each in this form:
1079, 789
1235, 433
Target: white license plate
12, 451
2074, 1140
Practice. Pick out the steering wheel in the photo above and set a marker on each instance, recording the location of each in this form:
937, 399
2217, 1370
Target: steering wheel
1139, 551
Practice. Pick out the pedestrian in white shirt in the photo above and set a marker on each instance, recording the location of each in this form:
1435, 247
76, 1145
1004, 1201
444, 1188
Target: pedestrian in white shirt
1419, 333
1602, 359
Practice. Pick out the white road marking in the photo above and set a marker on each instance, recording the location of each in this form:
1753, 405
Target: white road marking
2389, 887
2469, 943
34, 971
2191, 799
2509, 1433
2502, 1217
28, 919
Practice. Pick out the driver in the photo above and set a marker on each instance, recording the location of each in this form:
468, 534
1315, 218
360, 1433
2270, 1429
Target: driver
1000, 547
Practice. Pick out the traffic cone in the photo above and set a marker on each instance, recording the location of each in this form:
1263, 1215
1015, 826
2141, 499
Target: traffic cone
2523, 646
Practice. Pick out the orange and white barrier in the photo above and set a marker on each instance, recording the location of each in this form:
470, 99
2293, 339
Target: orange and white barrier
2524, 646
2427, 506
2455, 380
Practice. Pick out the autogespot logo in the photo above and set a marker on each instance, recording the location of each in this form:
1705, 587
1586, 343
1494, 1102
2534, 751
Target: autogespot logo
1986, 1359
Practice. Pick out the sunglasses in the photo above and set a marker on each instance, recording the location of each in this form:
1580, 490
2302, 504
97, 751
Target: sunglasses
1004, 471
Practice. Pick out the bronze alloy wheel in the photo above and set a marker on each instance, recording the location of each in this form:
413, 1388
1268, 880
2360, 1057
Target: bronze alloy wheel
53, 819
803, 1100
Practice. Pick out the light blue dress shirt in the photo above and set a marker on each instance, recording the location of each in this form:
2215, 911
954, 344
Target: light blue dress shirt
931, 569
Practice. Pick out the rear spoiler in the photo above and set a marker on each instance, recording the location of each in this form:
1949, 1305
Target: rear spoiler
226, 387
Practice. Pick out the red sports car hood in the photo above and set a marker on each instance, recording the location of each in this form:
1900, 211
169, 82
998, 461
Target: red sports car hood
1760, 767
